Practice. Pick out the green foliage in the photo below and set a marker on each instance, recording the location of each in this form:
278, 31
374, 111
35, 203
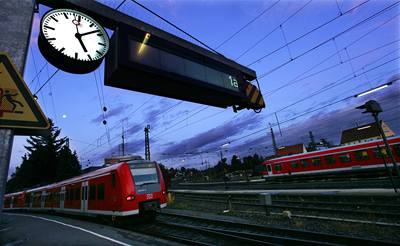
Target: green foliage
48, 159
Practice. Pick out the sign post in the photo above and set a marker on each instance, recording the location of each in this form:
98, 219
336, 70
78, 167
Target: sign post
17, 29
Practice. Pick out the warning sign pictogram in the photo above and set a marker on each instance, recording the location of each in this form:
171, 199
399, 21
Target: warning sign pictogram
18, 109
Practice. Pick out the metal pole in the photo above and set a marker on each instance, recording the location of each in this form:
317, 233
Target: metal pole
6, 142
388, 150
388, 169
14, 40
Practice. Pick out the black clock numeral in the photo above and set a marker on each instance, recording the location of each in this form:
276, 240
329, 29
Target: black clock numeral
49, 39
91, 25
62, 49
89, 57
76, 55
54, 18
102, 44
49, 27
66, 16
79, 18
99, 34
98, 52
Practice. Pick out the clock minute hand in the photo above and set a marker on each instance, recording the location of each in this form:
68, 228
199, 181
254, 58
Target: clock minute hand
87, 33
79, 37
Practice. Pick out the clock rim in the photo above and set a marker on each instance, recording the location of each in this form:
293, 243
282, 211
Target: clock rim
86, 15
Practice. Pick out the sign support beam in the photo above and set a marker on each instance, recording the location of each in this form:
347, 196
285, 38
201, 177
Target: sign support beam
17, 25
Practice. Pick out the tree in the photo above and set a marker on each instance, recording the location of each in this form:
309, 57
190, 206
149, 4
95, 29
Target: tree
48, 159
236, 164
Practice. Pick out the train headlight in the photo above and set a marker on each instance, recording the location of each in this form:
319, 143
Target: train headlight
130, 198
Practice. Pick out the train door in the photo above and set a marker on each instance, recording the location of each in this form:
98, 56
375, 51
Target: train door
62, 197
43, 199
269, 169
84, 196
12, 202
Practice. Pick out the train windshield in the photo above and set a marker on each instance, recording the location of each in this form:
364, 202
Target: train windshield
143, 172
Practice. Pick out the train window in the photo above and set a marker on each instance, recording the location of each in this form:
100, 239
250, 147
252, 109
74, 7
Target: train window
294, 164
380, 153
113, 179
330, 159
304, 163
278, 167
100, 191
362, 155
345, 158
92, 192
316, 161
77, 194
396, 149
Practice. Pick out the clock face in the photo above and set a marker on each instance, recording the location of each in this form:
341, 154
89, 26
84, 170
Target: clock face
75, 35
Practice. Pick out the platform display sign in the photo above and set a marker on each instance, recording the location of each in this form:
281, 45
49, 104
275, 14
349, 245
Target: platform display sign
144, 62
18, 108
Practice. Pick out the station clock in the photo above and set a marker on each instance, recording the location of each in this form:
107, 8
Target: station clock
72, 41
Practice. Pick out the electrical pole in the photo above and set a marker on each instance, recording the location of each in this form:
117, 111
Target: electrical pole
147, 143
312, 140
16, 28
273, 140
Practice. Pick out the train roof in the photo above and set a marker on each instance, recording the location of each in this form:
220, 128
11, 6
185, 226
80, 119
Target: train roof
75, 179
333, 150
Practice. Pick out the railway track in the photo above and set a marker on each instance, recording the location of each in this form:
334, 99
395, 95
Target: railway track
344, 208
338, 183
194, 230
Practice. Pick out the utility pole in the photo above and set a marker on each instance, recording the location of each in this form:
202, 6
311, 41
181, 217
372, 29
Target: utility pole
147, 143
312, 140
273, 140
16, 30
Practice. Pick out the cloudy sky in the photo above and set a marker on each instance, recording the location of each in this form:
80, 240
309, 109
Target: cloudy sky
311, 57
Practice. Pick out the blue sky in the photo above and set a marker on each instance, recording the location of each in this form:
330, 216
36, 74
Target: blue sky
355, 61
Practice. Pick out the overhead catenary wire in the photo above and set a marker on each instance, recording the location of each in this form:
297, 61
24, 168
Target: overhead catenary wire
311, 31
247, 24
322, 43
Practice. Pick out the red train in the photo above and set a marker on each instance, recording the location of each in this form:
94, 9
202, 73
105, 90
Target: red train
120, 190
363, 157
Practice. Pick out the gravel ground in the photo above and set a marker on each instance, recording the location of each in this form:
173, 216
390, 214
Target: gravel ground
377, 232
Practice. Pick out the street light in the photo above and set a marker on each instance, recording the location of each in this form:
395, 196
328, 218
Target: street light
374, 108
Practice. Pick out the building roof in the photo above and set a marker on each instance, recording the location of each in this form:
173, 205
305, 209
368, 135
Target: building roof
290, 150
363, 132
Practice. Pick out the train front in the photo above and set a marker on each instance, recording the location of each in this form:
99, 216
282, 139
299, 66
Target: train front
148, 192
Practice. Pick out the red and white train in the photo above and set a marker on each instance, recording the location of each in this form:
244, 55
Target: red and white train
123, 189
361, 157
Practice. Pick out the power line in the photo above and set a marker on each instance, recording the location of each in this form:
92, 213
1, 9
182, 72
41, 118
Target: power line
320, 44
309, 32
296, 79
247, 24
273, 30
47, 81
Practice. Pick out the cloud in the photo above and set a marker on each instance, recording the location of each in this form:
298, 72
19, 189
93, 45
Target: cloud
216, 135
113, 112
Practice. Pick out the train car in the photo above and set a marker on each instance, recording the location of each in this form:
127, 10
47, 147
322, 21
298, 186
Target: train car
363, 157
120, 190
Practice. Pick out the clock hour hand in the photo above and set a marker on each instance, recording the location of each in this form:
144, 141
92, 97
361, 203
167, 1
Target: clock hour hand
79, 37
87, 33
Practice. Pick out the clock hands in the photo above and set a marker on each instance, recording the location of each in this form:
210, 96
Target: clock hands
78, 35
86, 33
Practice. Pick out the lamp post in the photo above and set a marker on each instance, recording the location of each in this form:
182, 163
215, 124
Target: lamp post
374, 108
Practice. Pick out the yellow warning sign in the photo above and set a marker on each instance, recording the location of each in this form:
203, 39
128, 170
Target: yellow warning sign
18, 109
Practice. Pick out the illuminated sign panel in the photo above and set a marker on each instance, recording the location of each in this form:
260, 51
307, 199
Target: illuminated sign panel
153, 57
143, 62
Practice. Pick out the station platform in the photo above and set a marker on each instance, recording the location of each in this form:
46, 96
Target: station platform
41, 229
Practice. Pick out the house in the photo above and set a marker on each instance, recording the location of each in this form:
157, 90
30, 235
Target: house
364, 133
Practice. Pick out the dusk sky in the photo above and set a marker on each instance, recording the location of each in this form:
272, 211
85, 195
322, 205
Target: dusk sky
305, 83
